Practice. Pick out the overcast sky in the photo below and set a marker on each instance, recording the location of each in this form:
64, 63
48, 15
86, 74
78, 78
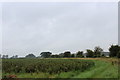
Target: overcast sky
58, 27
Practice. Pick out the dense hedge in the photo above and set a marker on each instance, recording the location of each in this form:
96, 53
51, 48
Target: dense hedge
44, 65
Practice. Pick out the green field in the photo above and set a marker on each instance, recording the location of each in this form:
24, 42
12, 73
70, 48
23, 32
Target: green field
61, 68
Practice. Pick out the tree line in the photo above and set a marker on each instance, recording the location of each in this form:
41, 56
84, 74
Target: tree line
114, 51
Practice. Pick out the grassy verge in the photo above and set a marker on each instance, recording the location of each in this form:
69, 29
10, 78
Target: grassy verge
102, 69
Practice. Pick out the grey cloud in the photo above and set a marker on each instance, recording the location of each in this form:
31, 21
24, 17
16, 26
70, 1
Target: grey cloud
56, 27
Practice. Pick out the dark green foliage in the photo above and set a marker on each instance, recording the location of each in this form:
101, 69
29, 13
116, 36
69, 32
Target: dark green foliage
79, 54
30, 56
89, 53
46, 54
97, 51
102, 55
55, 56
72, 55
67, 54
61, 55
114, 50
118, 54
52, 66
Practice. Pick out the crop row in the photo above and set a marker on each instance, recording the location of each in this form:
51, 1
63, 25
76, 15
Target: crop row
51, 66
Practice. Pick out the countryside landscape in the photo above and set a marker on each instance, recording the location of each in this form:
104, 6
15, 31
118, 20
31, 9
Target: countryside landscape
64, 65
59, 40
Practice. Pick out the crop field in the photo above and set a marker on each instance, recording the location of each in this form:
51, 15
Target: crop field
61, 68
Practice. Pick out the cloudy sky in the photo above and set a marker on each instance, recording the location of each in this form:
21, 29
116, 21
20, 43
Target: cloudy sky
58, 27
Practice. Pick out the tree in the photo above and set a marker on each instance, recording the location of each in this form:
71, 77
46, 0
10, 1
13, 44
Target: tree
55, 56
30, 56
118, 54
16, 56
102, 55
6, 56
46, 54
79, 54
72, 55
67, 54
97, 51
114, 50
89, 53
61, 55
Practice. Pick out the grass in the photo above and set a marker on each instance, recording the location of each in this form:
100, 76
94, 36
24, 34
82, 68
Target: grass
103, 69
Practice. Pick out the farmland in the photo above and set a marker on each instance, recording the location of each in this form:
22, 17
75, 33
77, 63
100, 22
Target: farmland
61, 68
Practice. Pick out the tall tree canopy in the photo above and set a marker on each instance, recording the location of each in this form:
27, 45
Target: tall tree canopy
30, 56
114, 50
79, 54
89, 53
97, 51
46, 54
67, 54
